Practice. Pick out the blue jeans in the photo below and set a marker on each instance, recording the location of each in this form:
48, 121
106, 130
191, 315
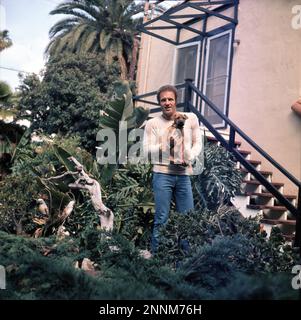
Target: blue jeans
165, 186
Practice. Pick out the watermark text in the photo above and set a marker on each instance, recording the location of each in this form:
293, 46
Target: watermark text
165, 147
296, 20
2, 278
296, 281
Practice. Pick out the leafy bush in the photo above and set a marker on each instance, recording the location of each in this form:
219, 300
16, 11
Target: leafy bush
34, 162
219, 181
203, 227
44, 269
131, 199
17, 205
69, 98
32, 275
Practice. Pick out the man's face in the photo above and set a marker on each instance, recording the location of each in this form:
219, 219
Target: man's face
168, 104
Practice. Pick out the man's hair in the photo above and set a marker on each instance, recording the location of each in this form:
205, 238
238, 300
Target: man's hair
167, 88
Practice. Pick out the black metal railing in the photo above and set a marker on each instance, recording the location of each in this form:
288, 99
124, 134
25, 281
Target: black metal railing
230, 145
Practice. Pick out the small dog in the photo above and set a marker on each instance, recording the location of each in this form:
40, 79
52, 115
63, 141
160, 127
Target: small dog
179, 121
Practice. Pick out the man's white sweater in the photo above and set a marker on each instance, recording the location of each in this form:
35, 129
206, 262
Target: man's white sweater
158, 134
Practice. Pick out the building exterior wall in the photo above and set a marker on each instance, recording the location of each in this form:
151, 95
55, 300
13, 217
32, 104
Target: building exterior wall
266, 79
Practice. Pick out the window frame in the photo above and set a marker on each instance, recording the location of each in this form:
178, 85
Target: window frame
197, 71
203, 85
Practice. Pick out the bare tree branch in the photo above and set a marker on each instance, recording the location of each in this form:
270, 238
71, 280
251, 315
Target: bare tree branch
85, 182
93, 187
61, 176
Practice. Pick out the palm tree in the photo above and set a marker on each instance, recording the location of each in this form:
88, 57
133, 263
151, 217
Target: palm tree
7, 97
5, 41
5, 92
96, 26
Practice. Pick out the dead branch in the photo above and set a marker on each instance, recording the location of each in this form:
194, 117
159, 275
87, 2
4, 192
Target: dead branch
85, 182
61, 176
93, 187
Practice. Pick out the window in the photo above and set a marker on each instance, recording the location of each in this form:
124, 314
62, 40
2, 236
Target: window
216, 80
215, 64
186, 66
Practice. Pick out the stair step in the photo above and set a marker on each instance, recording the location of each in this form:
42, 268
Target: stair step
279, 221
270, 195
260, 194
254, 162
244, 152
213, 139
251, 182
262, 207
276, 184
263, 172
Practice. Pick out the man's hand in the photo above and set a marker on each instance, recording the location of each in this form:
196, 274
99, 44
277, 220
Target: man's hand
183, 164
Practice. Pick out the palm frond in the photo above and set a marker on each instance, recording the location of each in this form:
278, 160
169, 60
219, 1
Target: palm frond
82, 10
77, 33
63, 25
90, 40
104, 39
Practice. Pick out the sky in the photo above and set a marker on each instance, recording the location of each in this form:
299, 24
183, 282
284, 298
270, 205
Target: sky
28, 23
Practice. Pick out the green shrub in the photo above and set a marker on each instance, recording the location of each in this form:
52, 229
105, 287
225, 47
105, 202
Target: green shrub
131, 199
203, 227
17, 204
219, 181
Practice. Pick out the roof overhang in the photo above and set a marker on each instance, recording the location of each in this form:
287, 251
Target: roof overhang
196, 18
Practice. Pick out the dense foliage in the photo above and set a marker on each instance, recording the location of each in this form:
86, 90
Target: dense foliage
210, 253
226, 267
248, 246
226, 256
69, 98
5, 92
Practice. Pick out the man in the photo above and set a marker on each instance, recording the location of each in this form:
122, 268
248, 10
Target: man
171, 149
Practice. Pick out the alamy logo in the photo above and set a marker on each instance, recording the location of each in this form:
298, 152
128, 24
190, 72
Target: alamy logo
130, 147
296, 20
296, 281
2, 278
